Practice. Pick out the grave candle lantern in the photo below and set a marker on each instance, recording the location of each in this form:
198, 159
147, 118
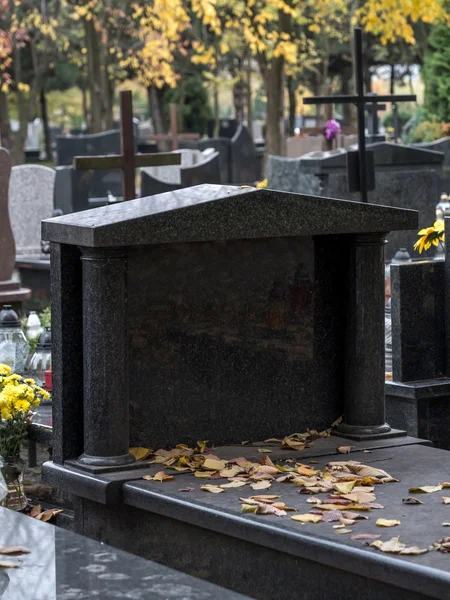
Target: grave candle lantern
41, 361
14, 347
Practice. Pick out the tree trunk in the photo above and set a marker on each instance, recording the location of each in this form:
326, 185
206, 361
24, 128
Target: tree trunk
249, 98
45, 126
346, 78
156, 109
94, 76
292, 104
392, 80
216, 109
273, 75
84, 103
5, 126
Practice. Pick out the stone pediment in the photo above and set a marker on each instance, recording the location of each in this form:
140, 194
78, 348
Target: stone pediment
216, 212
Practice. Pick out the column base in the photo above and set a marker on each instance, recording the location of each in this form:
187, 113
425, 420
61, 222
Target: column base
361, 432
105, 464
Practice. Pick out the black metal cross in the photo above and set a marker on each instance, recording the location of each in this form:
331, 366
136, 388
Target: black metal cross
360, 100
373, 109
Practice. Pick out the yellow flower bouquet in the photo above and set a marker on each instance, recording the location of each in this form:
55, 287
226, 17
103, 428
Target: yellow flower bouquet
18, 397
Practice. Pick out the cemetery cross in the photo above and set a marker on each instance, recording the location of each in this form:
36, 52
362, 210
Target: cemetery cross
128, 161
373, 109
174, 136
360, 100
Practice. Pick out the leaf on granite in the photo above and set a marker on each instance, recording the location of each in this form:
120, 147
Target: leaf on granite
344, 487
394, 546
446, 484
425, 489
261, 508
365, 536
332, 515
46, 515
214, 465
343, 531
140, 453
445, 524
265, 450
443, 545
339, 500
204, 474
186, 489
348, 514
340, 526
7, 564
411, 501
14, 550
160, 476
214, 489
231, 471
337, 422
35, 510
344, 521
314, 500
376, 506
344, 449
307, 518
446, 499
234, 484
265, 498
387, 522
245, 443
306, 471
360, 497
261, 485
366, 471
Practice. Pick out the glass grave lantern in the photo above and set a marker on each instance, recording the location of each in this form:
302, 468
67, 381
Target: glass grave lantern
41, 361
14, 348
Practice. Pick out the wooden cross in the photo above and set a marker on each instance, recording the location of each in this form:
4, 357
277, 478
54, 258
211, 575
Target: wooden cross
174, 136
360, 100
128, 161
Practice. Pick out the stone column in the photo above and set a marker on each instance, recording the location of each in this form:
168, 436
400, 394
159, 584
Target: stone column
364, 378
105, 362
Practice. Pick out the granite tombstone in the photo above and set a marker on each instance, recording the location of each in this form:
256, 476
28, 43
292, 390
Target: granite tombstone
441, 145
220, 313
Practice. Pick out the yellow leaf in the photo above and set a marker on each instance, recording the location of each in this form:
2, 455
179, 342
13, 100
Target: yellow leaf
214, 465
387, 522
307, 518
202, 445
344, 488
203, 474
306, 471
425, 489
214, 489
160, 476
233, 484
231, 471
140, 453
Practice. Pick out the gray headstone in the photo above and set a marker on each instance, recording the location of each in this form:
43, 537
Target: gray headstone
223, 147
286, 174
245, 166
63, 189
442, 145
96, 144
31, 191
206, 171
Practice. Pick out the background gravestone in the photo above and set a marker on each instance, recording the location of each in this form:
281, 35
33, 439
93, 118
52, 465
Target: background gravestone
223, 147
285, 173
31, 191
442, 145
93, 144
245, 165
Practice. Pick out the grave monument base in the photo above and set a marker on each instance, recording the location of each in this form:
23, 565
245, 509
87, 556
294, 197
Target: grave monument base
12, 293
368, 433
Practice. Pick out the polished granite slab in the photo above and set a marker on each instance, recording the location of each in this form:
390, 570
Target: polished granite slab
65, 566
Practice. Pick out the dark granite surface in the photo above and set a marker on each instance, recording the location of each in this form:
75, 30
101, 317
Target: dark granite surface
418, 315
210, 212
66, 566
420, 524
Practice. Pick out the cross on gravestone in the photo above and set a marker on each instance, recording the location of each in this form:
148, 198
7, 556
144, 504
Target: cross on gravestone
360, 100
174, 136
128, 161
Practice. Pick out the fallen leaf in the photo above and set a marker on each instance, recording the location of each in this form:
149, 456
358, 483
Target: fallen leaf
265, 450
35, 510
337, 422
367, 451
443, 545
387, 522
261, 485
446, 484
445, 524
313, 462
365, 471
46, 515
394, 546
376, 506
267, 461
140, 453
365, 536
352, 515
7, 564
425, 489
307, 518
231, 471
306, 471
343, 531
268, 498
345, 521
202, 446
204, 474
214, 489
361, 497
446, 499
411, 501
186, 489
314, 500
160, 476
244, 443
332, 515
344, 487
344, 449
214, 465
340, 526
234, 484
14, 550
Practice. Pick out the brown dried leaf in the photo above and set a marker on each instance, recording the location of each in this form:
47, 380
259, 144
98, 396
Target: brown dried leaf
332, 515
214, 465
337, 422
425, 489
261, 485
307, 518
160, 476
387, 522
35, 510
209, 487
366, 471
267, 461
14, 550
231, 471
411, 501
306, 471
186, 489
48, 514
140, 453
7, 564
352, 515
344, 449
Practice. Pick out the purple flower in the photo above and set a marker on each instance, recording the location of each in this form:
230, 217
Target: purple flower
332, 129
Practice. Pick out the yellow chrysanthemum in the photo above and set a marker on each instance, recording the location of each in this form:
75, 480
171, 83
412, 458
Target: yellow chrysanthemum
6, 414
30, 381
430, 236
5, 370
